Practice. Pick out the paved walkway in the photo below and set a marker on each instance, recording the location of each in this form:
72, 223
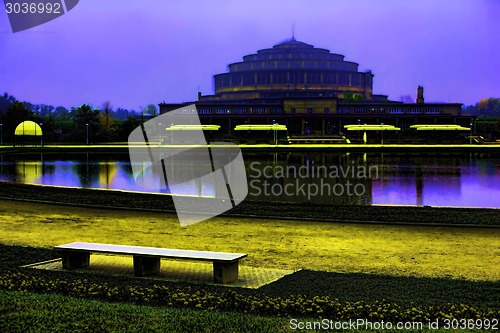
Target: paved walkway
172, 270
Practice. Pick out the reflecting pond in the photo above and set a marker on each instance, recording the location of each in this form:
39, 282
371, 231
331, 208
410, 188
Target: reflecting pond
430, 179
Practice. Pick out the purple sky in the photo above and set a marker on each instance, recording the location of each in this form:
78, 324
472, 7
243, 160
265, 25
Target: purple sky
133, 53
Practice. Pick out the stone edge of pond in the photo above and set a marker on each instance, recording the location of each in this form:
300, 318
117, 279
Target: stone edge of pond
414, 215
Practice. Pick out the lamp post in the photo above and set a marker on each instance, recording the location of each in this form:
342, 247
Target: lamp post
87, 133
275, 136
359, 133
159, 131
171, 134
382, 133
471, 126
1, 134
41, 135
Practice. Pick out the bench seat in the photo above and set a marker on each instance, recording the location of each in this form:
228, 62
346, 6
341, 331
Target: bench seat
147, 259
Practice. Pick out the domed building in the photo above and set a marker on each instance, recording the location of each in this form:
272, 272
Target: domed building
292, 69
310, 90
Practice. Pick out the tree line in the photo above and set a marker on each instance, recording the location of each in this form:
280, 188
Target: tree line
486, 107
62, 125
107, 125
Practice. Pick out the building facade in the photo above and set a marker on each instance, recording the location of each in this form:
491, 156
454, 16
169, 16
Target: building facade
310, 90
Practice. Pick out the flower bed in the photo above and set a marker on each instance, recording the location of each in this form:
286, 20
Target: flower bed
229, 300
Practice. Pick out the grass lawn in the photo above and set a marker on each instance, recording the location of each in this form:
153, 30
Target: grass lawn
470, 253
27, 312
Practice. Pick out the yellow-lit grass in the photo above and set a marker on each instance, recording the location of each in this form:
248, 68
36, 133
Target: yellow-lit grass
471, 253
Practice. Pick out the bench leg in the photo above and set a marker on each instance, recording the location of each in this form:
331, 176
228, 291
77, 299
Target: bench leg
225, 272
144, 266
75, 259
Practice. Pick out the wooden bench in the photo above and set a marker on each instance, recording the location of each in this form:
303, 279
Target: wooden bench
147, 259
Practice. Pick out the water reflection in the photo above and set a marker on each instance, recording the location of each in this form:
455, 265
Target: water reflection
465, 180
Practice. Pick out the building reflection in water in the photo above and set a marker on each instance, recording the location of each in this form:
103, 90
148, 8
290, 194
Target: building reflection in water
419, 180
314, 178
407, 179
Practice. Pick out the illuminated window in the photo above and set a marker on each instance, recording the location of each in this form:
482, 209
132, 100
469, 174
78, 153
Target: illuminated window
414, 110
432, 111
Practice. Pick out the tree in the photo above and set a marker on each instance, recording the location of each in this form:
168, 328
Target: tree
62, 114
107, 127
127, 127
15, 114
85, 119
353, 98
151, 110
50, 128
45, 110
107, 130
121, 114
5, 102
489, 107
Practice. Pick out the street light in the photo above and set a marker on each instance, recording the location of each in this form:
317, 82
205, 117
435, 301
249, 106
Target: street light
159, 129
87, 133
359, 133
275, 136
471, 126
41, 135
1, 134
171, 134
382, 133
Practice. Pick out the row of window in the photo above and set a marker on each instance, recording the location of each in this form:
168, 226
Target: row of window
294, 64
292, 77
239, 111
294, 55
341, 110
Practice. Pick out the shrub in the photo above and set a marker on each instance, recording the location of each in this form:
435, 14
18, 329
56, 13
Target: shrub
229, 300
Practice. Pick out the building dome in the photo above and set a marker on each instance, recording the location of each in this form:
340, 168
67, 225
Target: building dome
291, 69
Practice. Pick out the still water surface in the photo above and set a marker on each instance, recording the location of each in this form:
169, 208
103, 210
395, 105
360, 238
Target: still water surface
431, 179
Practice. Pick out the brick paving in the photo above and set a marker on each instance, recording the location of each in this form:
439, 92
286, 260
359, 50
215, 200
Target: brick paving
172, 270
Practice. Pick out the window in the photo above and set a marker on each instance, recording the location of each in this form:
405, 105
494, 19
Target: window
432, 111
343, 110
359, 110
396, 111
327, 110
378, 110
414, 111
292, 110
309, 110
205, 111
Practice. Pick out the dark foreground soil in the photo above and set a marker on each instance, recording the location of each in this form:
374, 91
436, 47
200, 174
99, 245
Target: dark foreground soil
335, 213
